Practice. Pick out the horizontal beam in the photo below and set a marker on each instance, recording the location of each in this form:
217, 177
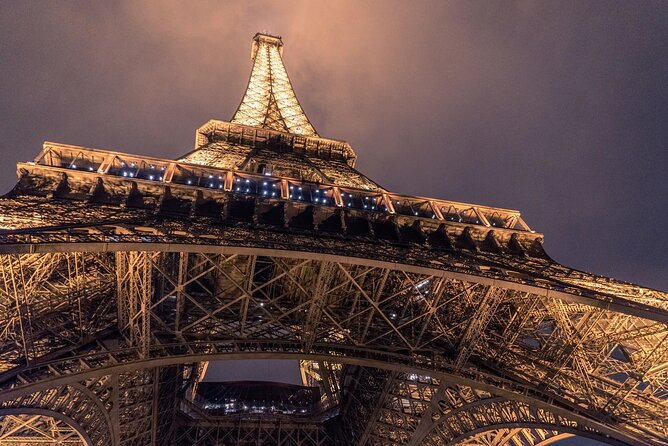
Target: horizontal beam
597, 300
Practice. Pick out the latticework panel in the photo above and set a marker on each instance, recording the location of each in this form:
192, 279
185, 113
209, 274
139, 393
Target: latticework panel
599, 363
37, 430
270, 101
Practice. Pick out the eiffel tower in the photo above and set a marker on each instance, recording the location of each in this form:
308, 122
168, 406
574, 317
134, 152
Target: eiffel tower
415, 321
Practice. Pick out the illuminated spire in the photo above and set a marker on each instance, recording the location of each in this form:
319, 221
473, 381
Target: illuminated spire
269, 101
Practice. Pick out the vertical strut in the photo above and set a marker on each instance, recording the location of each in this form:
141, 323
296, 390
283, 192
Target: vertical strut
134, 292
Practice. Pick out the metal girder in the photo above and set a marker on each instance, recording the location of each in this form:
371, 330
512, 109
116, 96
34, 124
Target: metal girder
197, 305
421, 410
73, 405
37, 430
245, 432
134, 288
504, 271
52, 302
327, 376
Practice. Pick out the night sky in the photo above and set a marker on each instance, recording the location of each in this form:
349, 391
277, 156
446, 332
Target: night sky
558, 109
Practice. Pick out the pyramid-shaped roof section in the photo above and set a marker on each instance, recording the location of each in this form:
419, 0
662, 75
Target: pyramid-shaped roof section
269, 101
270, 130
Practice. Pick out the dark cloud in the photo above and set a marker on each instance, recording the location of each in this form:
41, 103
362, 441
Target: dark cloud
558, 109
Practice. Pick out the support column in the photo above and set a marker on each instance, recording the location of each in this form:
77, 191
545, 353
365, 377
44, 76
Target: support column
134, 290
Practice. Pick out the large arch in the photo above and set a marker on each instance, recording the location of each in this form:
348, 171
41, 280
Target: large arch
494, 414
70, 405
42, 427
552, 417
338, 308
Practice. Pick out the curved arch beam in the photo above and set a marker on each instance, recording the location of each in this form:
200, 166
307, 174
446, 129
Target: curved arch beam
113, 429
519, 395
495, 405
553, 439
49, 413
564, 432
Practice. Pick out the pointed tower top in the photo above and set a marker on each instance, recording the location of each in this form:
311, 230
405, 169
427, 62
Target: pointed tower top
265, 39
270, 101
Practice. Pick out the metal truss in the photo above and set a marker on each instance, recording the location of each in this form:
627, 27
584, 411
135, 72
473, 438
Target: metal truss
134, 289
127, 408
422, 321
326, 376
418, 409
200, 305
270, 101
198, 428
52, 302
249, 433
37, 430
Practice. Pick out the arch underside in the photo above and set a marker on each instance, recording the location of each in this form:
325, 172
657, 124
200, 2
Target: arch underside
40, 428
430, 345
516, 436
408, 408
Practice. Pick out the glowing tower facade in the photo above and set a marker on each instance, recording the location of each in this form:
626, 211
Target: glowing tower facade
415, 320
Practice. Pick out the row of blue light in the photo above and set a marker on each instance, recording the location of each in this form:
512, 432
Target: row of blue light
240, 188
294, 195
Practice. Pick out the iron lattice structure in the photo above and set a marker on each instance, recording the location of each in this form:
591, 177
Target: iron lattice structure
421, 321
